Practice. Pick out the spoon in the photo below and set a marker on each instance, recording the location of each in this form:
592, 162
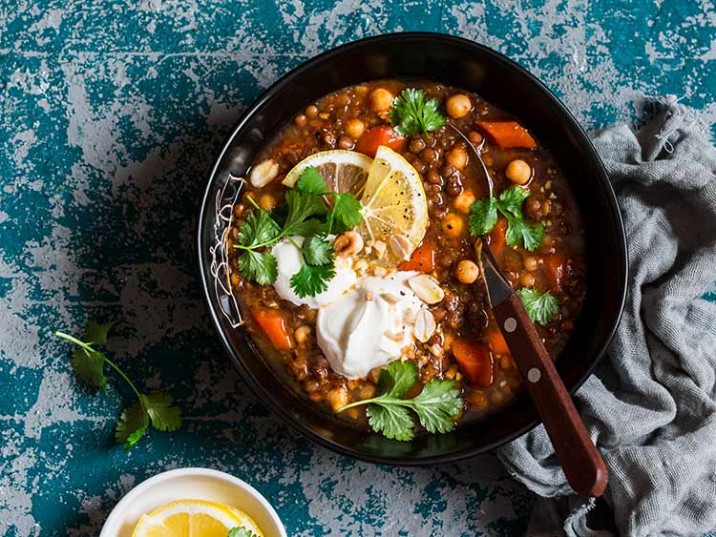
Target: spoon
582, 463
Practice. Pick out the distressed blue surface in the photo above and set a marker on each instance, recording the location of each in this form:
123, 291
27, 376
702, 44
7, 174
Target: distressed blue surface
111, 113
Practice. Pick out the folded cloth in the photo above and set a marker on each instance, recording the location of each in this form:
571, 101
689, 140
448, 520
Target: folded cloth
651, 404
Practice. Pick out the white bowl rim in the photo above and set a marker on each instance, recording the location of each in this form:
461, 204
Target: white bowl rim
116, 513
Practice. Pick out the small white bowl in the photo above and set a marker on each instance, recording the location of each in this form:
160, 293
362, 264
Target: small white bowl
191, 483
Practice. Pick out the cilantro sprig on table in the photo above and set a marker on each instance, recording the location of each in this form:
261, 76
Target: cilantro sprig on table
436, 406
413, 113
541, 307
484, 214
311, 211
88, 365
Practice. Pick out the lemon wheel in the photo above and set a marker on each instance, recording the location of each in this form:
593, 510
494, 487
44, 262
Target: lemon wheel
394, 202
193, 518
344, 171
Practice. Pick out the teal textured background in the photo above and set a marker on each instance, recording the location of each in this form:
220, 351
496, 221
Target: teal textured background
111, 114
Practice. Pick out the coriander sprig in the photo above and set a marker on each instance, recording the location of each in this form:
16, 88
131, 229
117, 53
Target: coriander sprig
413, 113
308, 214
437, 405
484, 213
88, 365
541, 307
241, 531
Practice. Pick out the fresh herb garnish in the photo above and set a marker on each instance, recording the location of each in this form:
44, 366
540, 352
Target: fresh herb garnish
541, 307
484, 213
311, 211
437, 405
413, 113
88, 365
241, 531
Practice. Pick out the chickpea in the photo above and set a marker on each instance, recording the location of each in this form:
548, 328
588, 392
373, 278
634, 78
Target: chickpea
457, 157
267, 202
453, 225
467, 271
380, 99
464, 201
458, 105
475, 137
527, 280
312, 111
519, 172
530, 263
300, 120
355, 128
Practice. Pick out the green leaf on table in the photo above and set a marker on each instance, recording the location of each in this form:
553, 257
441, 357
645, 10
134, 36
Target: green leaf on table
132, 425
162, 411
88, 366
96, 333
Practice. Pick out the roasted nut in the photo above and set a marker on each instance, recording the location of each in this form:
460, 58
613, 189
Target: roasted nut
426, 288
348, 243
424, 326
263, 173
400, 246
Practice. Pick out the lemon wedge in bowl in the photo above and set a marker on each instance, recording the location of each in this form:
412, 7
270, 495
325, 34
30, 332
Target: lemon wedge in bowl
395, 207
344, 171
193, 518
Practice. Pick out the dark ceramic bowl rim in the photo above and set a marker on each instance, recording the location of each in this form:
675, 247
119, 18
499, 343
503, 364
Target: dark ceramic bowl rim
388, 39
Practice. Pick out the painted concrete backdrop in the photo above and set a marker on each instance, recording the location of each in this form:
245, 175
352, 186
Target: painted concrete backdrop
111, 113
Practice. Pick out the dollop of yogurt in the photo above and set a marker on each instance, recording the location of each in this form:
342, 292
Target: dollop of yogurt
370, 325
289, 261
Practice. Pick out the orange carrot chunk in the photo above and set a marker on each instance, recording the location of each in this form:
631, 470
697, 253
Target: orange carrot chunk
422, 260
496, 342
497, 237
373, 138
554, 271
474, 361
273, 324
508, 134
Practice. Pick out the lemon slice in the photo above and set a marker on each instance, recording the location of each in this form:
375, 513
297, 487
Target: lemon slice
344, 171
193, 518
394, 203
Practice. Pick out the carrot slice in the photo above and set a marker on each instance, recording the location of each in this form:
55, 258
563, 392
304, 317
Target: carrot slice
422, 260
273, 324
474, 361
497, 237
496, 342
555, 267
508, 134
373, 138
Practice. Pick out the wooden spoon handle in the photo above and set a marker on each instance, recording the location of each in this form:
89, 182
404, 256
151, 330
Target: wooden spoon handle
582, 463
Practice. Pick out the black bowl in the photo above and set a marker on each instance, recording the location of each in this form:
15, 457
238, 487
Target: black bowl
464, 64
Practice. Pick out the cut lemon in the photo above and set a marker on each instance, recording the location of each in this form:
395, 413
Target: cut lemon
394, 204
193, 518
344, 171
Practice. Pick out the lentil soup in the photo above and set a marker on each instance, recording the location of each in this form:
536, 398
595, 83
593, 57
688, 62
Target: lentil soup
453, 337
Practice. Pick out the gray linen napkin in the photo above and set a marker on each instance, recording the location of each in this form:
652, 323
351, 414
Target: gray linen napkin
651, 405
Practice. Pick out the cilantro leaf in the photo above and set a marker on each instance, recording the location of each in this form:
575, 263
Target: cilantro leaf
311, 182
484, 213
541, 307
164, 414
316, 250
312, 281
345, 213
259, 267
519, 231
241, 531
301, 207
413, 113
88, 366
483, 216
96, 333
512, 199
398, 377
393, 421
258, 229
437, 404
132, 425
